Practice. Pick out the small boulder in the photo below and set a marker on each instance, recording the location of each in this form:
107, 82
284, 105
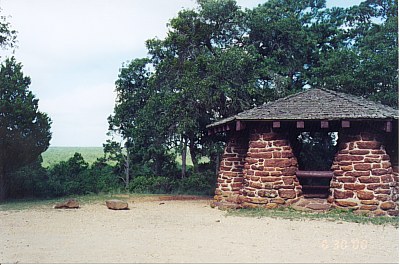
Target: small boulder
67, 204
117, 205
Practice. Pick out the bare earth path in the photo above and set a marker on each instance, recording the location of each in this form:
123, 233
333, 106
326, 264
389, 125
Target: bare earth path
184, 231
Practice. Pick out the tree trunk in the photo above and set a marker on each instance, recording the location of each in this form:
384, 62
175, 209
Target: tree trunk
193, 156
127, 169
184, 151
3, 189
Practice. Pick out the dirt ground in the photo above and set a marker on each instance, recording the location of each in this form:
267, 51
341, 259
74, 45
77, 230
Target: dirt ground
184, 231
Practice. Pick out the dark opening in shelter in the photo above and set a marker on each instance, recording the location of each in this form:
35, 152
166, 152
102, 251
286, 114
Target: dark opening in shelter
315, 152
264, 163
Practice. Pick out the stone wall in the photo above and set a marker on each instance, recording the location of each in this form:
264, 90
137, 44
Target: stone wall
363, 176
269, 172
230, 175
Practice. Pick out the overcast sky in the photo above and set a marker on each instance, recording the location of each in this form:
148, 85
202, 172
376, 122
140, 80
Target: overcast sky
73, 49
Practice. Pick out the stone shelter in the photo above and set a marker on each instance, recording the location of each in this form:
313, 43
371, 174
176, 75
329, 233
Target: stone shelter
259, 167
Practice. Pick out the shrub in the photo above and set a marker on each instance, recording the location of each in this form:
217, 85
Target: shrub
143, 184
202, 183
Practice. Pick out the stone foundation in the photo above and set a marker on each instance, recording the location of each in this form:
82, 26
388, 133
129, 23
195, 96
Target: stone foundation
363, 176
230, 175
269, 172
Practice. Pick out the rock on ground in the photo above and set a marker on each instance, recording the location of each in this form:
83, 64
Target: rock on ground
117, 205
67, 204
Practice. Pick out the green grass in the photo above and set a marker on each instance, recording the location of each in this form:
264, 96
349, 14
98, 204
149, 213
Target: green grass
334, 215
55, 154
24, 204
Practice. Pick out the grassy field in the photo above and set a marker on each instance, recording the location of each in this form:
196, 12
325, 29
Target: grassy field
55, 154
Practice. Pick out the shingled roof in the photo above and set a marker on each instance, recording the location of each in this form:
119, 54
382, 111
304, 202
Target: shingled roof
316, 104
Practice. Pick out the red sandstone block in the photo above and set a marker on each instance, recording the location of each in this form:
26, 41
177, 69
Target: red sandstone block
255, 178
289, 171
365, 195
344, 163
249, 173
347, 168
256, 185
264, 155
237, 184
287, 194
354, 186
344, 152
359, 152
258, 144
275, 173
377, 186
369, 179
225, 168
368, 207
288, 180
283, 186
382, 191
387, 178
369, 145
346, 179
338, 172
343, 194
262, 173
336, 185
379, 171
385, 158
287, 154
388, 206
386, 164
358, 173
239, 179
378, 152
280, 143
382, 197
256, 167
376, 165
345, 203
229, 174
250, 160
372, 160
370, 202
349, 158
269, 179
363, 166
276, 154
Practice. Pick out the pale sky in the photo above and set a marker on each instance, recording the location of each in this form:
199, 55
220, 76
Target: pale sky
73, 50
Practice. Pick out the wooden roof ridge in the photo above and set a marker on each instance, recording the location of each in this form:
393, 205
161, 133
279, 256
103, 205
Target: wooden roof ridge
315, 104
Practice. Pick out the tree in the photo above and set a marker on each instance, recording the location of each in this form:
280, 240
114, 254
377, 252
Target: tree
8, 36
24, 130
367, 54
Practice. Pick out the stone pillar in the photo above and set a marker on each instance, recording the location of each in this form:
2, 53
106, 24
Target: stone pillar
230, 175
269, 172
363, 176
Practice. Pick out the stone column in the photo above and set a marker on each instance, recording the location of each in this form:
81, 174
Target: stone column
269, 172
363, 176
230, 175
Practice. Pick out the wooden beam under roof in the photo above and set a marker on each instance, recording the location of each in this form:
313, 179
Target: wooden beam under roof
345, 124
324, 124
300, 124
